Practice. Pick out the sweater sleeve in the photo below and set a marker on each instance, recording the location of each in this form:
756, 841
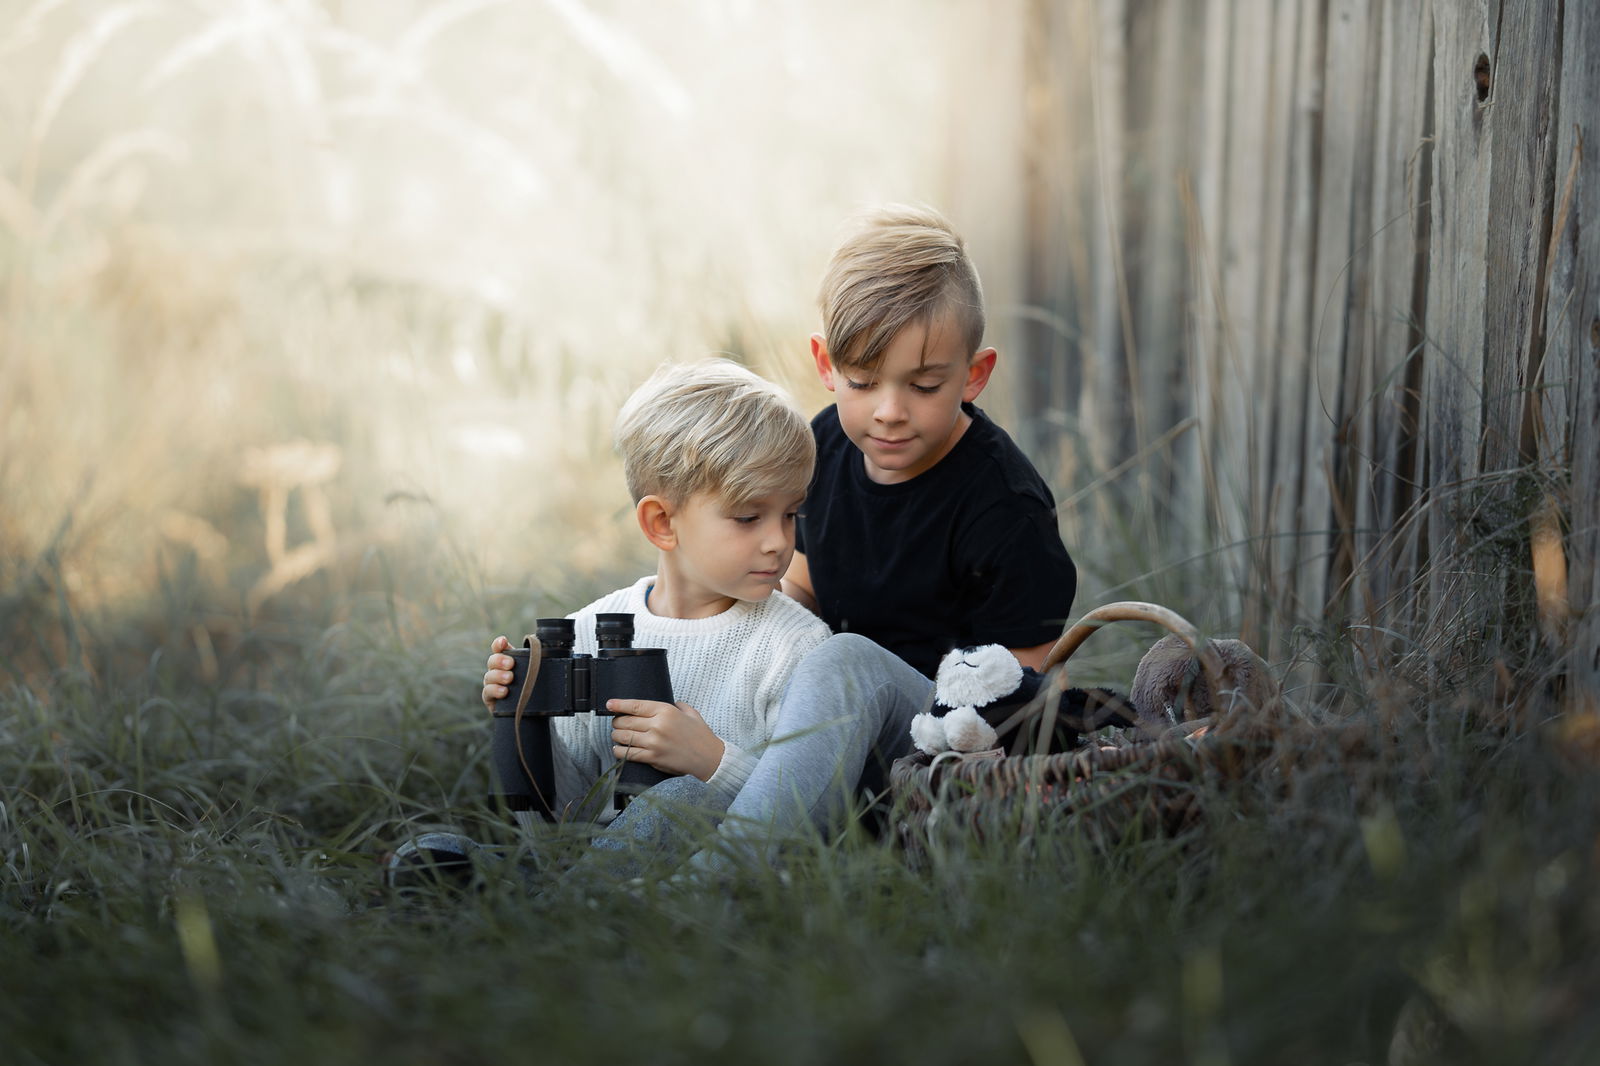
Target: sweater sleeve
733, 771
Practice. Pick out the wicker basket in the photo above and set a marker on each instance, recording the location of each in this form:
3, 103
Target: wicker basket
1152, 784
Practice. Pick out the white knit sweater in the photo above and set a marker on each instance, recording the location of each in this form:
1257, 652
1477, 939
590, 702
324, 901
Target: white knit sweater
731, 667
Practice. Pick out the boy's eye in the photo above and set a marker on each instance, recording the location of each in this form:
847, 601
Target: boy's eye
927, 389
744, 519
852, 383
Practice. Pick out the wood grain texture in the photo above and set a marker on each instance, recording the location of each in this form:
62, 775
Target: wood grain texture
1348, 238
1570, 412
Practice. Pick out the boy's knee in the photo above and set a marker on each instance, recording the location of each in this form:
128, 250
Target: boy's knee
681, 789
842, 650
861, 663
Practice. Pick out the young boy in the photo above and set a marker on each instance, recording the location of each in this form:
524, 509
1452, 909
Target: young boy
717, 461
925, 527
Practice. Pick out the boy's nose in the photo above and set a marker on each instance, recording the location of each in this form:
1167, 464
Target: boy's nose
776, 540
889, 408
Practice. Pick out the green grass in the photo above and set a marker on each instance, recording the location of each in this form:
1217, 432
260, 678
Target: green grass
190, 875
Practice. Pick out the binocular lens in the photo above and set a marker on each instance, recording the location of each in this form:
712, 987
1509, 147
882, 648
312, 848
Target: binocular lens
555, 637
613, 632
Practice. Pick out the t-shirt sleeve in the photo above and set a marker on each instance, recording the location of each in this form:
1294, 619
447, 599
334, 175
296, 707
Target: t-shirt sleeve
818, 486
1016, 580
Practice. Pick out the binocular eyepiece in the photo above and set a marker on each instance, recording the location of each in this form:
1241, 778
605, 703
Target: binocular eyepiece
549, 681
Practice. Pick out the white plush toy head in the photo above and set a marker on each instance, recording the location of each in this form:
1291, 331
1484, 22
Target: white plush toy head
968, 678
976, 677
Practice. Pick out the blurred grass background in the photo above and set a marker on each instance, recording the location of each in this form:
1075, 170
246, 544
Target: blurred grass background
315, 317
382, 272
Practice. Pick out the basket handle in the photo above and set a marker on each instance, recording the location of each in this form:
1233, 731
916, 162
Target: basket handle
1127, 611
1120, 611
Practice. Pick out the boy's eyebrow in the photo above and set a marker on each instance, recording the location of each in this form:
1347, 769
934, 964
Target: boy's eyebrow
741, 505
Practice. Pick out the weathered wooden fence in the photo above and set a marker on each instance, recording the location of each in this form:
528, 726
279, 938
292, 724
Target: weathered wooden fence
1357, 243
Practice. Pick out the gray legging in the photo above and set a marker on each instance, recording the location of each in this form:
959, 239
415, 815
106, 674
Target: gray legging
845, 716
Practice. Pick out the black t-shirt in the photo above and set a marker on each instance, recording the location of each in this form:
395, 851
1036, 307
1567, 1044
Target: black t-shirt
964, 553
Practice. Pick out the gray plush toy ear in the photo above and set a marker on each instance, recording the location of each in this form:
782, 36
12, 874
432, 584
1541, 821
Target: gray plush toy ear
1169, 675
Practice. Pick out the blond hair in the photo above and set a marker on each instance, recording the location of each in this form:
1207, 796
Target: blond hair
901, 264
713, 426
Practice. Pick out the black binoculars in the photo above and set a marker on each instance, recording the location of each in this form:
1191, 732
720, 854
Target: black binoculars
549, 681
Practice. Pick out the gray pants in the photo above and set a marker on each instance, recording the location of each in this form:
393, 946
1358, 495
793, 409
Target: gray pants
846, 715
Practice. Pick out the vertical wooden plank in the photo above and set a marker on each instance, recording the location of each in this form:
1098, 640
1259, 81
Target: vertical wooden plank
1243, 356
1385, 550
1109, 418
1343, 288
1278, 352
1072, 28
1160, 103
1191, 499
1075, 192
1571, 435
1365, 431
1043, 353
1207, 227
1523, 72
1285, 550
1457, 284
1056, 137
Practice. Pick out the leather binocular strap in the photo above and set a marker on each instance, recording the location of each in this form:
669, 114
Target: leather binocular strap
532, 644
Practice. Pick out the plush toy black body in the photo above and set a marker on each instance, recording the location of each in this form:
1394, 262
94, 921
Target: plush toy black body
979, 689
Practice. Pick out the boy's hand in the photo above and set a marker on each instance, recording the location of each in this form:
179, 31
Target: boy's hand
498, 675
668, 736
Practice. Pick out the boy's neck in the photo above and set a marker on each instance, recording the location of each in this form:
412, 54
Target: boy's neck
672, 597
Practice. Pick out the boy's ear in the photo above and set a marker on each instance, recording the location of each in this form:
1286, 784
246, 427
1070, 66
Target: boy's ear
819, 354
655, 521
978, 372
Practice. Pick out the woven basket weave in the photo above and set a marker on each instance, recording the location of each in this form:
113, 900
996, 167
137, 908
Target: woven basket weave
1153, 784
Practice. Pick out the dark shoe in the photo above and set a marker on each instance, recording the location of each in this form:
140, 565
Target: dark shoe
430, 861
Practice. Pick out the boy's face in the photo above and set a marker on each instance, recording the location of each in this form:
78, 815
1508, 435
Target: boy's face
731, 551
906, 414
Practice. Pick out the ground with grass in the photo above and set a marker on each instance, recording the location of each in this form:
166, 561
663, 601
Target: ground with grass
190, 875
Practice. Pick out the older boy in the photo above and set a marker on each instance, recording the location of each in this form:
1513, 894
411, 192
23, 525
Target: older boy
925, 527
717, 461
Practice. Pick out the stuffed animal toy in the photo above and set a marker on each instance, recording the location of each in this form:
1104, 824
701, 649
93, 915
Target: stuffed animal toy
977, 689
1169, 681
967, 679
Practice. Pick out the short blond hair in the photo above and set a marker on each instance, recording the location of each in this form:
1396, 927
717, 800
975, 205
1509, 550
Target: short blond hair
900, 264
713, 426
